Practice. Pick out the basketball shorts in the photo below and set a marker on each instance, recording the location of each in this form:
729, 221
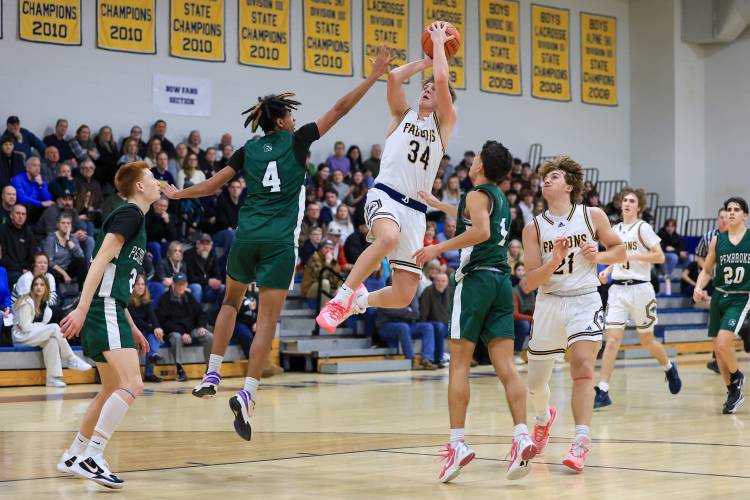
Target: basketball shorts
269, 265
728, 312
411, 223
560, 322
637, 302
106, 328
483, 307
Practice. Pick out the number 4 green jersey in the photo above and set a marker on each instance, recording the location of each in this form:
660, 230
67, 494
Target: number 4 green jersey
732, 264
120, 274
493, 253
274, 170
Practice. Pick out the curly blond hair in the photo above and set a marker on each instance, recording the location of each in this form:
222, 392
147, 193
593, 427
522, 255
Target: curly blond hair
573, 174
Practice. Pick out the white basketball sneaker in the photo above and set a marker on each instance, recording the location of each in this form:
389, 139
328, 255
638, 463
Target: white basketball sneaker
454, 459
97, 469
521, 452
66, 463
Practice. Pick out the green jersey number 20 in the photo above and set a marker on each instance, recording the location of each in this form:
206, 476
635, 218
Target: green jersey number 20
271, 178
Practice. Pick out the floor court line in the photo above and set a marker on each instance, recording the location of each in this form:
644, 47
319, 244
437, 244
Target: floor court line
301, 455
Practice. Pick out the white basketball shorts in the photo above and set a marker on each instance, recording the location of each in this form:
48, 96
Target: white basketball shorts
412, 224
637, 302
560, 322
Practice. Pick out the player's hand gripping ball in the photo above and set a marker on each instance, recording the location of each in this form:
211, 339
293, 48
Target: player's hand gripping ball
445, 31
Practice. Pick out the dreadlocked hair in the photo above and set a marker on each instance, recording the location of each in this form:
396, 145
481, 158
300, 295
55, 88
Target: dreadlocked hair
268, 109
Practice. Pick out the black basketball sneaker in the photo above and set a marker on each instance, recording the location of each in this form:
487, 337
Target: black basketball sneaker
735, 397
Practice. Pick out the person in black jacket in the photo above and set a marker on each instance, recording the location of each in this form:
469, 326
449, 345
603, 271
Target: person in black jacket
398, 326
141, 309
674, 251
182, 317
227, 214
11, 162
18, 244
203, 271
160, 229
356, 243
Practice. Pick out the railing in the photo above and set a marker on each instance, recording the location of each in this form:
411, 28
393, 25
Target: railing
681, 213
608, 189
535, 154
698, 227
652, 201
591, 175
319, 296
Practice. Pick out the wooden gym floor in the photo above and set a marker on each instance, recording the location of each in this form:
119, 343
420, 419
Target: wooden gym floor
378, 435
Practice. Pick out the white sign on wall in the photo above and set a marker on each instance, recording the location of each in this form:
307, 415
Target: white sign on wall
181, 95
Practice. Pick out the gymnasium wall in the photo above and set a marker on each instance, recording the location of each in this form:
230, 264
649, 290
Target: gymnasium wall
43, 82
727, 73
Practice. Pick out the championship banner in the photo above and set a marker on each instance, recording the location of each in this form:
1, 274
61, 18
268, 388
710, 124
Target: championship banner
550, 48
598, 59
452, 11
52, 21
500, 46
264, 33
126, 25
385, 23
328, 37
196, 29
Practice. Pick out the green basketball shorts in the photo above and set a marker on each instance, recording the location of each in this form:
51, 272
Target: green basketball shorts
728, 312
270, 265
106, 328
483, 307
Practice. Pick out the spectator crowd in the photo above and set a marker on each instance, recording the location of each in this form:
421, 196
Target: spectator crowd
56, 192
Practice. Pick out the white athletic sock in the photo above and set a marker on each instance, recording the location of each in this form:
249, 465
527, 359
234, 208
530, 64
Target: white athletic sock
668, 366
363, 301
604, 386
113, 411
582, 431
214, 363
96, 446
79, 445
251, 386
456, 436
520, 429
344, 292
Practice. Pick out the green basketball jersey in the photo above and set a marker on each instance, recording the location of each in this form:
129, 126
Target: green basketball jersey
275, 201
493, 253
120, 274
732, 263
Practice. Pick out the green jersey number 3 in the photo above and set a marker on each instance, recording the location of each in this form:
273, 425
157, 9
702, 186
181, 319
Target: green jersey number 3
271, 178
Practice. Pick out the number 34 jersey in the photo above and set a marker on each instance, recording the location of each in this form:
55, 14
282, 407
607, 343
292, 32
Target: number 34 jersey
412, 155
575, 272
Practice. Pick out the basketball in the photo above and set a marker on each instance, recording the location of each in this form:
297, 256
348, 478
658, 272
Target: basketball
451, 46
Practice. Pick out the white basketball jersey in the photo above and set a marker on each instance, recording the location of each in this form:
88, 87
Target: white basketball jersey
412, 155
639, 238
575, 272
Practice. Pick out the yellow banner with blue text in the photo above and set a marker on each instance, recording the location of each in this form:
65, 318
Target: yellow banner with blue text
500, 47
328, 37
550, 53
196, 29
126, 25
52, 21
